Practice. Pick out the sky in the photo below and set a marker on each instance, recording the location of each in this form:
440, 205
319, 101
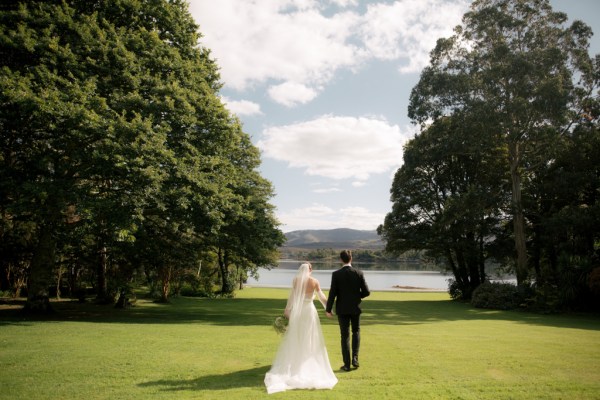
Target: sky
322, 88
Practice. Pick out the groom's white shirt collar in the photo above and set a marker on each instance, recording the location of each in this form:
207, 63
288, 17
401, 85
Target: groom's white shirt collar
347, 265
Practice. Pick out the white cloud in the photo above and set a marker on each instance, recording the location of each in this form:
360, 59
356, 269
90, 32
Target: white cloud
318, 216
408, 29
256, 41
327, 190
242, 107
290, 93
337, 147
278, 41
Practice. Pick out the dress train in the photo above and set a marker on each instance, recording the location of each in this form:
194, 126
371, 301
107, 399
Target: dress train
302, 361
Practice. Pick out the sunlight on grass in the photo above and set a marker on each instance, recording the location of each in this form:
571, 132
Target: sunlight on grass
415, 346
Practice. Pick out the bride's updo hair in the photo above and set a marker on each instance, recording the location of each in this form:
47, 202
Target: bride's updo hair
307, 264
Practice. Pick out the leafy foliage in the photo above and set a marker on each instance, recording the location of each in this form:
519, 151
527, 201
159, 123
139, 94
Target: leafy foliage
117, 150
508, 109
447, 199
498, 296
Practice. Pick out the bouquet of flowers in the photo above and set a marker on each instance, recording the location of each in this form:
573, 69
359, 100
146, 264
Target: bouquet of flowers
280, 325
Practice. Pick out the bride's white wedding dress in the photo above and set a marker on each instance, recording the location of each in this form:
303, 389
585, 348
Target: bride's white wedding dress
302, 361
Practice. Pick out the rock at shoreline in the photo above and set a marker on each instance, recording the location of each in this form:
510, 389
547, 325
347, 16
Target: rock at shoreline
414, 288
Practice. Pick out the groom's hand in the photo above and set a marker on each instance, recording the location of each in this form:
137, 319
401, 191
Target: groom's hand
330, 315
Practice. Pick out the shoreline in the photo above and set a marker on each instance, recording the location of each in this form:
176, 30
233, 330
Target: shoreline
399, 289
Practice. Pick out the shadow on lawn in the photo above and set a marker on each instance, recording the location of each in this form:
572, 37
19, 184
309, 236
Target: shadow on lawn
179, 310
262, 311
424, 312
239, 379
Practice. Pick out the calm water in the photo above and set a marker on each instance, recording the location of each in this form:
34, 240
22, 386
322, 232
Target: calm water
378, 276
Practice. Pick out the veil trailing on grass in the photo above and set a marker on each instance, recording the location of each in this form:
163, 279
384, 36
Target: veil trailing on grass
301, 361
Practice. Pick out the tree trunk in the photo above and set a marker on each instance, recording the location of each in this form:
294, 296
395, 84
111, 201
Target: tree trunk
5, 275
166, 274
518, 215
102, 286
461, 273
226, 287
240, 275
451, 262
59, 274
536, 252
482, 274
41, 276
475, 279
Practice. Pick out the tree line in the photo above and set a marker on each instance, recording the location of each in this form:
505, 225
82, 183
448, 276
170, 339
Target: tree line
332, 255
119, 161
505, 167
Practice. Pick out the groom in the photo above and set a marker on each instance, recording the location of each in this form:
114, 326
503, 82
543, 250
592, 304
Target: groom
348, 285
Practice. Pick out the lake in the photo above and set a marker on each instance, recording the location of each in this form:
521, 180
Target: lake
393, 276
379, 276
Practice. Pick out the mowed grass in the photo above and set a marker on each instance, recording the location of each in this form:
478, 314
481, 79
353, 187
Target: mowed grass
414, 346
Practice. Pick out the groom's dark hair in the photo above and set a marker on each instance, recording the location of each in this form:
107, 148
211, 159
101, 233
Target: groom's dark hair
346, 256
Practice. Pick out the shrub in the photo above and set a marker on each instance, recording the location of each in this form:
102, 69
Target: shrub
545, 297
594, 281
194, 291
459, 290
496, 295
454, 290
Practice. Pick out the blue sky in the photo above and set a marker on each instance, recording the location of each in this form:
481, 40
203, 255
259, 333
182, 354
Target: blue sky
322, 87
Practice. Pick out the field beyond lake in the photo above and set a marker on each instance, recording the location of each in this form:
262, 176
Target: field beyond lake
414, 346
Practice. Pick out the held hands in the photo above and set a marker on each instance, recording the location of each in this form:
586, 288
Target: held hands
329, 315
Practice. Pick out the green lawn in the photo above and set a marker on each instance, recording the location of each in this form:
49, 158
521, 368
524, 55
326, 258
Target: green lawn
414, 346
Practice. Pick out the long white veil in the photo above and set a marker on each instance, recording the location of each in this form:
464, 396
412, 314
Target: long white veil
298, 293
302, 361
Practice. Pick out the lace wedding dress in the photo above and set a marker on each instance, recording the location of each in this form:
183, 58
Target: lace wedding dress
302, 361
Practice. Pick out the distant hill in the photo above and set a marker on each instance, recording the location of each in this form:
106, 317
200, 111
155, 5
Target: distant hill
333, 238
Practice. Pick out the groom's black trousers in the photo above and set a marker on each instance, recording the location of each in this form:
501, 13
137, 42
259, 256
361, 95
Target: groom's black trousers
345, 320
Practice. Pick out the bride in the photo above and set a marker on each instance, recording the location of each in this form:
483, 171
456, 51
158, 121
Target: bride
302, 361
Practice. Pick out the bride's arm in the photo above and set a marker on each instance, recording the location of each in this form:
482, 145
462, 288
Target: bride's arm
321, 295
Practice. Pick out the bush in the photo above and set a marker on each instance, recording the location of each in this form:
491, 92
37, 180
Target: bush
545, 298
459, 291
194, 291
497, 296
454, 290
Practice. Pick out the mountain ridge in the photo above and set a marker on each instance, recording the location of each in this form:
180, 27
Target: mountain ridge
333, 238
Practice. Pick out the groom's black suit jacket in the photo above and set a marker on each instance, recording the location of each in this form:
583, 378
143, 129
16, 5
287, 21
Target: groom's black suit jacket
348, 285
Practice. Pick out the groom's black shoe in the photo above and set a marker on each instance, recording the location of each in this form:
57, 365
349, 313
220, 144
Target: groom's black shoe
345, 368
355, 363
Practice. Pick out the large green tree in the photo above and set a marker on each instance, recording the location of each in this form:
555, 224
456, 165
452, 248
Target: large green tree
111, 119
446, 198
515, 65
51, 121
248, 236
562, 201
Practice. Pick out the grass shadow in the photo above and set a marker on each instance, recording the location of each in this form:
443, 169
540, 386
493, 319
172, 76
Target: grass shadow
248, 378
398, 310
410, 312
181, 310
